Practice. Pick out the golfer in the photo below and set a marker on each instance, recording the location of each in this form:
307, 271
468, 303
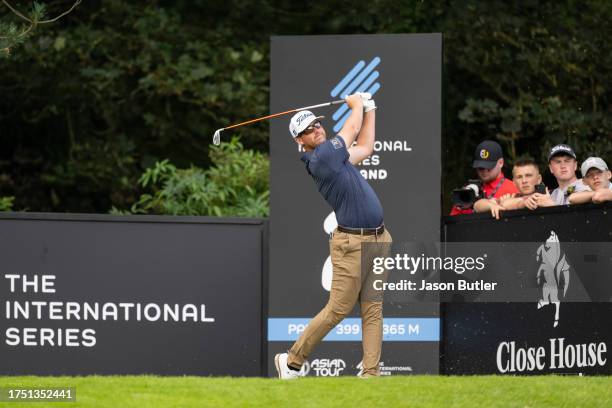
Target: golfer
331, 163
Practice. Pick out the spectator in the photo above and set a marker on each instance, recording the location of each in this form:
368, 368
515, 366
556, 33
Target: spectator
488, 162
597, 176
562, 164
526, 176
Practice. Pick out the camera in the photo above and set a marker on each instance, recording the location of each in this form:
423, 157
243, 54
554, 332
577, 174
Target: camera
466, 196
540, 188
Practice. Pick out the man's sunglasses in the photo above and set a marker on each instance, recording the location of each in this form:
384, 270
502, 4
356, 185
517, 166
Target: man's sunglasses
311, 128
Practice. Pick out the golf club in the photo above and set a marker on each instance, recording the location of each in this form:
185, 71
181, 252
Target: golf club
217, 135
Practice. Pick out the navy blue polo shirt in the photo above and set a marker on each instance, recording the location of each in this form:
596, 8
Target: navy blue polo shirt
355, 203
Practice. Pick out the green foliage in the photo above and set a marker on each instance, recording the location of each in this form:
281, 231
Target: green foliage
91, 102
11, 35
6, 203
236, 185
89, 105
537, 73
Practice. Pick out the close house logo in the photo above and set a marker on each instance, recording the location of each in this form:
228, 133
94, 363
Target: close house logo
553, 274
361, 78
518, 356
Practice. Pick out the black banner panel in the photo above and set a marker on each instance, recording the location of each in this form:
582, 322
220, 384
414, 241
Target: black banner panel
98, 294
519, 338
403, 73
551, 333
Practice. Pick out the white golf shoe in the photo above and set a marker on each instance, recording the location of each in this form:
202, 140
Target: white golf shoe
284, 372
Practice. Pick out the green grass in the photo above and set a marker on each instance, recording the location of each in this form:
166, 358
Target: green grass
409, 391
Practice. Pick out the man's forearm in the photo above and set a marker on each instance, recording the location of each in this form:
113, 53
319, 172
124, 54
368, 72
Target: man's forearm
513, 203
482, 205
607, 194
581, 197
352, 126
367, 134
600, 196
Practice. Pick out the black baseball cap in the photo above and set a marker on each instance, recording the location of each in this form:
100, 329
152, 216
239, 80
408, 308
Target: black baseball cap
487, 154
561, 149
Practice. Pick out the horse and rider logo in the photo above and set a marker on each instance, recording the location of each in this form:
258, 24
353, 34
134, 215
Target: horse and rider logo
553, 274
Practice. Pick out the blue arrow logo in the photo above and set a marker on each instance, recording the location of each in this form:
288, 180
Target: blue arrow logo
361, 78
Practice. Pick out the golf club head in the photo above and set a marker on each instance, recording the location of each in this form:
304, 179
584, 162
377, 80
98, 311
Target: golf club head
217, 137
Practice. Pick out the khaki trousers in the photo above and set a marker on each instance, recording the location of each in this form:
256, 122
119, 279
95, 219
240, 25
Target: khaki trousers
349, 283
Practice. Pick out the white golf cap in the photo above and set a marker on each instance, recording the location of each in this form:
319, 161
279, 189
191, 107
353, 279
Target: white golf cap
301, 121
591, 162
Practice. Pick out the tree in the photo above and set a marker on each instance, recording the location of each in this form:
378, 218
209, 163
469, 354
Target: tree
130, 86
11, 35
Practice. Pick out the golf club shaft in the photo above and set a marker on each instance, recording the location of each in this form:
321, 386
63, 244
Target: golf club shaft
284, 113
321, 105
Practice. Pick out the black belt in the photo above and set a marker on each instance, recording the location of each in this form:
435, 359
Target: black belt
362, 231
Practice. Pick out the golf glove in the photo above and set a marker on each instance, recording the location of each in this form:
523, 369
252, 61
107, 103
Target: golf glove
365, 96
369, 105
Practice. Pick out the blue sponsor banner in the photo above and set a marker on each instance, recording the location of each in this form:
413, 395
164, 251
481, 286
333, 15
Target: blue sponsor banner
394, 329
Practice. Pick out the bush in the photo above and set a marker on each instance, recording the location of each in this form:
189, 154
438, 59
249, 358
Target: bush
236, 185
6, 203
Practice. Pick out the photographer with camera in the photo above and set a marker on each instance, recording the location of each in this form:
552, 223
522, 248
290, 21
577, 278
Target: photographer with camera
491, 183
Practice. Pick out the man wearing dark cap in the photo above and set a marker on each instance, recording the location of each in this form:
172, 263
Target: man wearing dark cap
488, 162
562, 164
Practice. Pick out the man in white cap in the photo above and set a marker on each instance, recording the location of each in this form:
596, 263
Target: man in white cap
360, 220
597, 176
